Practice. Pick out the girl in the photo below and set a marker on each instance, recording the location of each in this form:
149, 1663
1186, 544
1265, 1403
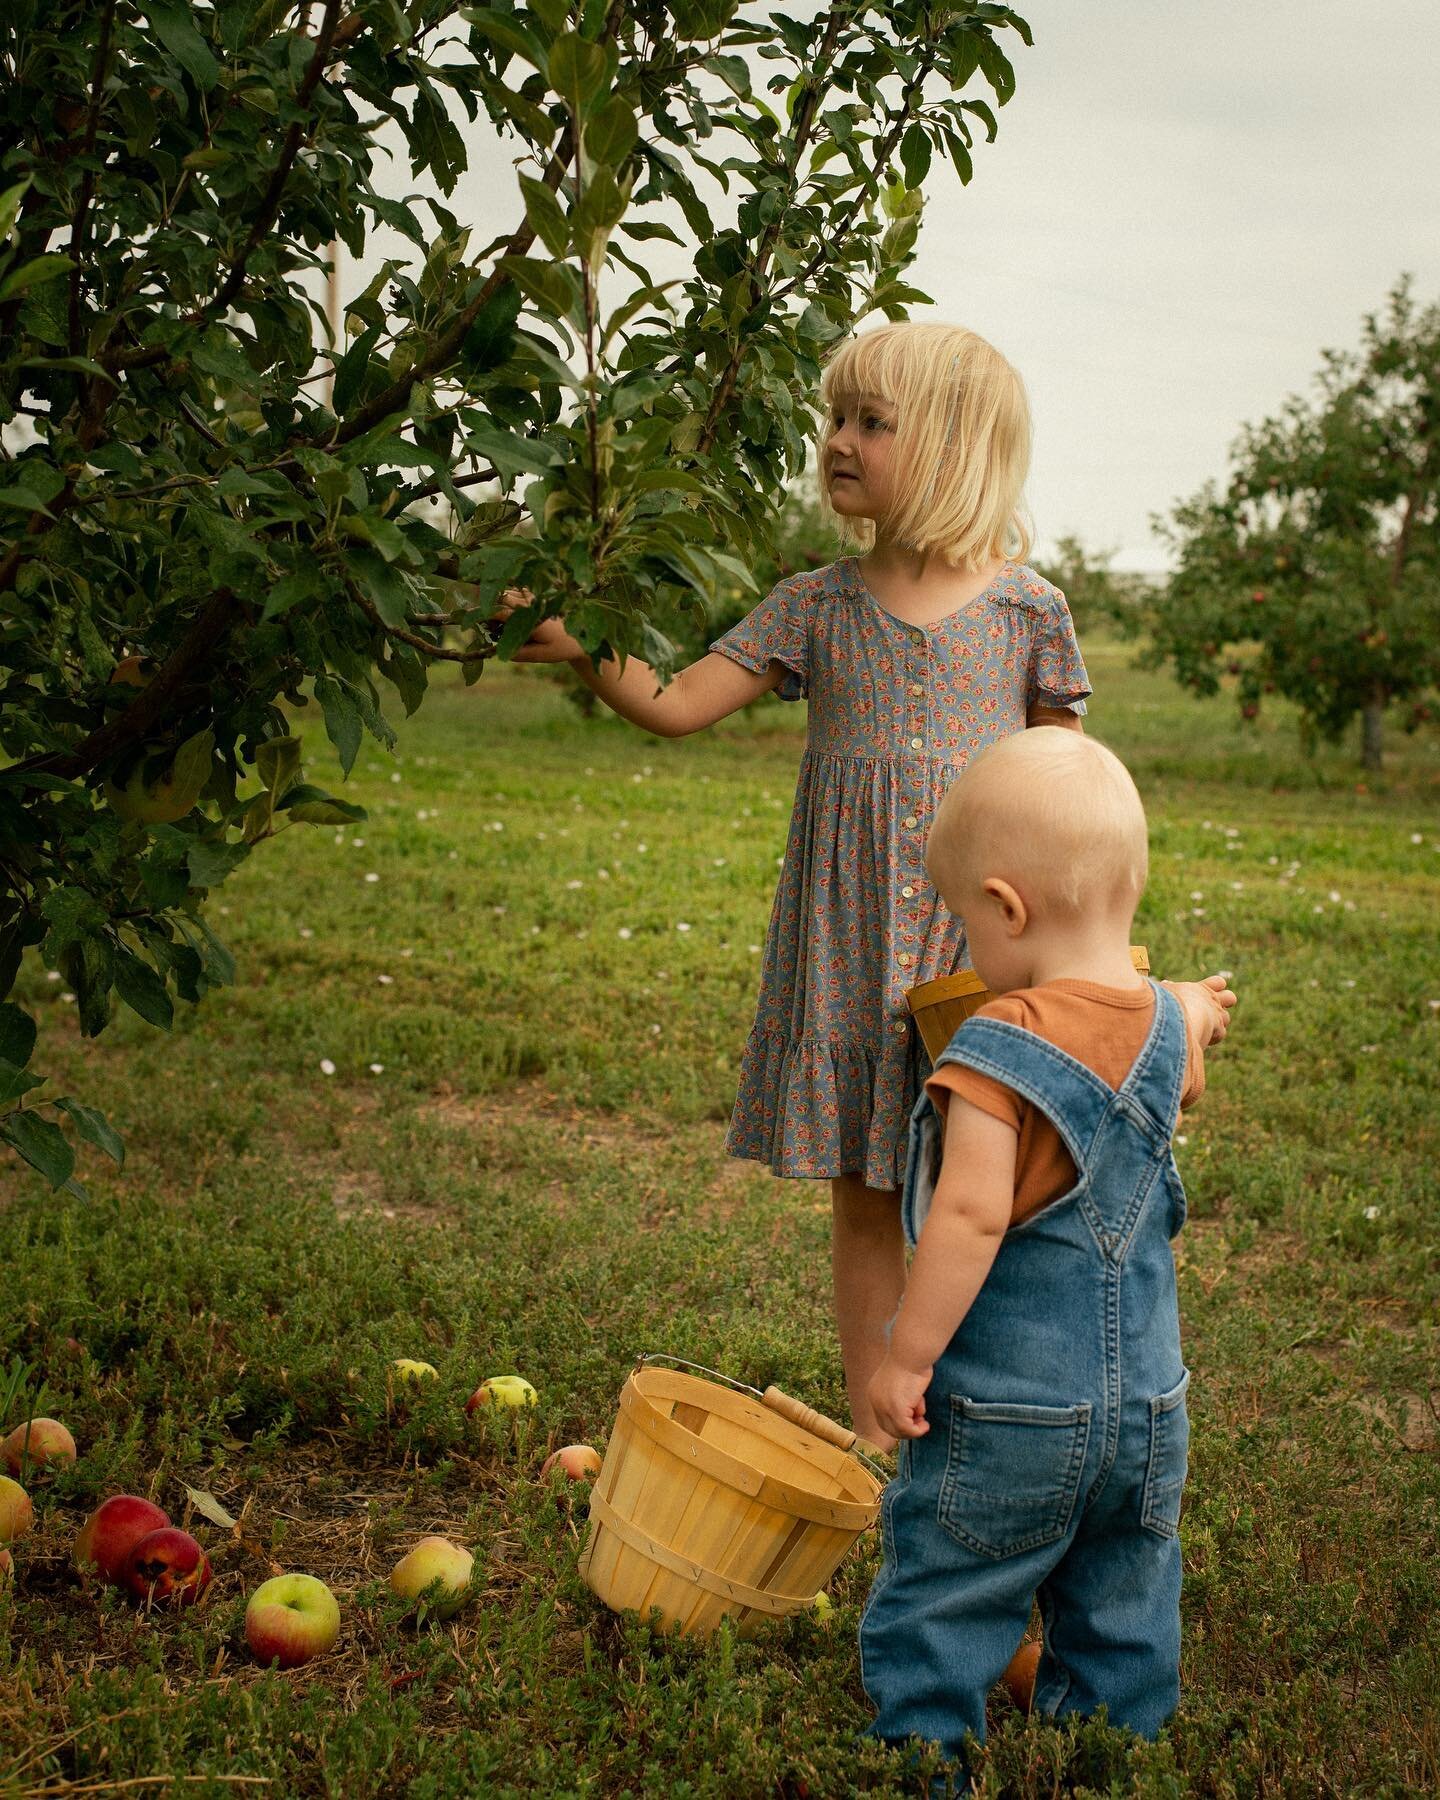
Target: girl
916, 654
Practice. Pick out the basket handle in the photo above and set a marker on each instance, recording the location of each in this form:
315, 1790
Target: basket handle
798, 1413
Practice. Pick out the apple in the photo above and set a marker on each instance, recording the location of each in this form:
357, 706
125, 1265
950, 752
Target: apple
435, 1559
1019, 1676
112, 1531
167, 1567
16, 1513
291, 1618
41, 1441
408, 1370
175, 786
821, 1606
579, 1461
7, 1566
503, 1390
133, 671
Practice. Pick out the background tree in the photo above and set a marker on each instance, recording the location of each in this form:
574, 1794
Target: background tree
194, 541
1316, 574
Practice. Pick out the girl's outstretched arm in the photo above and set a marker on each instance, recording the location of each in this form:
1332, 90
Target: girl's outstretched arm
708, 690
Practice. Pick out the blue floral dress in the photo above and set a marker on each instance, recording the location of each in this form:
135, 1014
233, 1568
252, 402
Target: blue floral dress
834, 1062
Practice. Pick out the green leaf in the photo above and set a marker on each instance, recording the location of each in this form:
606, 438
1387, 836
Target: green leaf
506, 31
92, 1125
17, 1034
291, 589
576, 67
16, 1081
544, 213
506, 451
342, 717
38, 269
43, 1145
733, 71
78, 365
381, 583
612, 133
552, 286
209, 863
350, 370
915, 155
173, 23
313, 806
277, 762
142, 990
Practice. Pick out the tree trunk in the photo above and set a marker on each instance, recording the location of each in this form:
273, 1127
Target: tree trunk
1374, 717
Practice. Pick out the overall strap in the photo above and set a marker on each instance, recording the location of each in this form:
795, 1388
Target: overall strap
1150, 1093
1073, 1098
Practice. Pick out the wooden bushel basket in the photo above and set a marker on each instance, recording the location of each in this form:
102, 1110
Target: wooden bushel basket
941, 1007
714, 1503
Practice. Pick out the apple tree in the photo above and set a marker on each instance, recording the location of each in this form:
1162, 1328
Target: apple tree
1316, 573
214, 519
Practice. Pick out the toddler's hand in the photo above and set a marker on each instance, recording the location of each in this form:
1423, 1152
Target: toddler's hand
1207, 1003
897, 1397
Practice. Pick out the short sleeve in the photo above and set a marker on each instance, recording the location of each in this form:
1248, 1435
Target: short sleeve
777, 630
1057, 672
989, 1095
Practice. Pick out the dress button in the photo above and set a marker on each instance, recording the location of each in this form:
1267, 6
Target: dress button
911, 822
899, 1025
904, 959
916, 689
908, 892
917, 743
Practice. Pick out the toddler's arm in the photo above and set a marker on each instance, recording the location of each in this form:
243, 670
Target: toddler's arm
710, 689
1207, 1006
970, 1213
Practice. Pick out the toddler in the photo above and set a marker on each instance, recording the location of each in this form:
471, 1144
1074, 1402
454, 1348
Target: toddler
1034, 1373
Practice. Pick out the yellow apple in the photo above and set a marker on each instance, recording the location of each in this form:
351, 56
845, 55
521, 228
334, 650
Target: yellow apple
435, 1560
503, 1390
291, 1618
175, 789
16, 1513
407, 1370
38, 1441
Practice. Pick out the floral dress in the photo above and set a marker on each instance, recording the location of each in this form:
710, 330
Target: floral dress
834, 1062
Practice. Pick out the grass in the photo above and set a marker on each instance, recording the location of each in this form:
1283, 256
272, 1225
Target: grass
535, 1180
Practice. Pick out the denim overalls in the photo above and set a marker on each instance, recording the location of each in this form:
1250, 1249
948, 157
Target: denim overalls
1058, 1436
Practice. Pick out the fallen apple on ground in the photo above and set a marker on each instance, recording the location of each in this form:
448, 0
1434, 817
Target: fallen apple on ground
16, 1513
291, 1618
503, 1390
408, 1370
435, 1559
579, 1461
112, 1531
821, 1606
7, 1565
167, 1568
41, 1442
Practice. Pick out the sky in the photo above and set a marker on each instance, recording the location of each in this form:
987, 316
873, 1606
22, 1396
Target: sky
1186, 201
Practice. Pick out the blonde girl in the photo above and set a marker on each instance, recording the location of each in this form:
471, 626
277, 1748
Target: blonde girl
932, 642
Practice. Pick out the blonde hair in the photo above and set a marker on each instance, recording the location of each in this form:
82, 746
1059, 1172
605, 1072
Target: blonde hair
962, 439
1052, 812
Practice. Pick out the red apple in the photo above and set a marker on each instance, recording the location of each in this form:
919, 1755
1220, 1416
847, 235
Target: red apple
112, 1531
40, 1442
167, 1568
291, 1618
579, 1461
7, 1566
16, 1513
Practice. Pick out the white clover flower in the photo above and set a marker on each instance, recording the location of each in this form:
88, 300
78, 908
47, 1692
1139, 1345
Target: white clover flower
654, 1031
603, 874
1334, 895
1350, 983
1372, 1212
326, 1066
377, 1068
1181, 1138
642, 848
1416, 838
407, 952
1197, 895
624, 932
68, 998
372, 876
394, 776
386, 980
755, 951
574, 884
52, 974
680, 925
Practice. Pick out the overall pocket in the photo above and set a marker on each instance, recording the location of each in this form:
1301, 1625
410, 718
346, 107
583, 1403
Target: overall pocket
1169, 1461
1012, 1474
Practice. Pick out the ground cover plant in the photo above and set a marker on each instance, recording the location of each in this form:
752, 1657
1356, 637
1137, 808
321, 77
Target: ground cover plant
465, 1104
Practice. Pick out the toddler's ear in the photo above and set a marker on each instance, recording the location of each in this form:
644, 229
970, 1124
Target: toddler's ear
1011, 905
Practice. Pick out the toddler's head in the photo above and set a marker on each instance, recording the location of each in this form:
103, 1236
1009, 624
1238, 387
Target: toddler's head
1040, 845
936, 426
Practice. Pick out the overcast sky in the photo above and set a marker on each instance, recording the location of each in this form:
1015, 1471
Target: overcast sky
1186, 201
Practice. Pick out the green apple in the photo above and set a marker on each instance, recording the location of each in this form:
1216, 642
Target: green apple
437, 1572
503, 1390
821, 1606
291, 1618
407, 1370
159, 790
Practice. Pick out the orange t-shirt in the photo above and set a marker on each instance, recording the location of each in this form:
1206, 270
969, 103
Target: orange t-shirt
1103, 1027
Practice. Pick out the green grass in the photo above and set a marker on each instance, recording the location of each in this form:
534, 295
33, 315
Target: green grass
535, 1180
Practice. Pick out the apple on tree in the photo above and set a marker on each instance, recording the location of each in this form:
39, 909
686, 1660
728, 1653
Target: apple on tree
112, 1531
161, 788
291, 1618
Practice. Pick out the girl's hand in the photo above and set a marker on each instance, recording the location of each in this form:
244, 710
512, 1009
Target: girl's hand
897, 1397
548, 643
